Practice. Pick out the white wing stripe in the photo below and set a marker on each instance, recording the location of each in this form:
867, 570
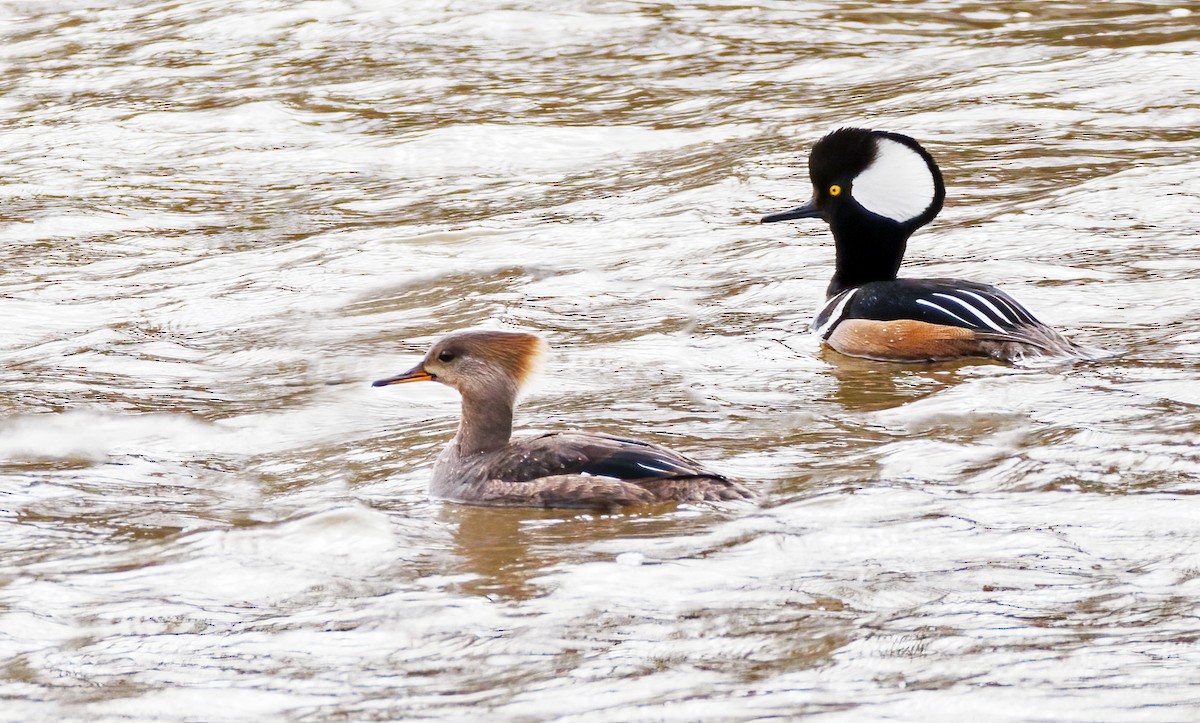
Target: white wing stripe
835, 316
651, 468
981, 316
988, 304
1017, 310
1011, 305
667, 467
947, 312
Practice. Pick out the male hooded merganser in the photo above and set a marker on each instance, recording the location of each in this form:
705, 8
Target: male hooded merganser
874, 189
483, 465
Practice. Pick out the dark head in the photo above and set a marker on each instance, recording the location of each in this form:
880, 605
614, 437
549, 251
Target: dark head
884, 175
477, 363
874, 189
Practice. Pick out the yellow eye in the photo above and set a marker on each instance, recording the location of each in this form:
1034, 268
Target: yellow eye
834, 190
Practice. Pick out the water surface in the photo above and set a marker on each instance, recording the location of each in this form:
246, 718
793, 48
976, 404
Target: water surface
221, 220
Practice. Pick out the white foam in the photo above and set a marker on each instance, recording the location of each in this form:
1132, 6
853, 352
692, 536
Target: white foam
898, 185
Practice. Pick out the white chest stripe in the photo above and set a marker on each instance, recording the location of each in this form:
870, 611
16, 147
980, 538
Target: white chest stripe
978, 314
840, 300
983, 300
947, 312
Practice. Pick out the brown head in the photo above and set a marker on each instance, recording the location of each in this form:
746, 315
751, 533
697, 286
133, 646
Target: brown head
478, 363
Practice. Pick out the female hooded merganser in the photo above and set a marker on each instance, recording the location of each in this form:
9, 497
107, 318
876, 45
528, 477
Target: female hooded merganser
483, 465
874, 189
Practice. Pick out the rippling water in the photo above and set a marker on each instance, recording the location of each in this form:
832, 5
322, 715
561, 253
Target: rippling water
221, 220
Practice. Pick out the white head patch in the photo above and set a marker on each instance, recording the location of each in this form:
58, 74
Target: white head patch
898, 185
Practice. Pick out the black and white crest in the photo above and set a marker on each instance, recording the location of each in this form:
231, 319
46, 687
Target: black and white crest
887, 174
899, 184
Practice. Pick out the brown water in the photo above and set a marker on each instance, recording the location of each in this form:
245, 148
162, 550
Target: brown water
221, 220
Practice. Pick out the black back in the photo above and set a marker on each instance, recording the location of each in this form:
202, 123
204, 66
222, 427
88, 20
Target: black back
949, 302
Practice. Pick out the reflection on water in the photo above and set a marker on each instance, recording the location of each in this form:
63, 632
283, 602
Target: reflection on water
222, 220
502, 552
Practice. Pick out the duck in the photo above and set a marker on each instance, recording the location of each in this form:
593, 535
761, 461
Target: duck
875, 188
485, 465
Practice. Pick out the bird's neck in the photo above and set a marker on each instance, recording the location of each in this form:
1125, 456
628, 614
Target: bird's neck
867, 250
487, 419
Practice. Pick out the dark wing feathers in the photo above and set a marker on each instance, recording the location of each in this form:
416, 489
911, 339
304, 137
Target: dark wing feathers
565, 465
1000, 327
595, 454
951, 302
634, 463
990, 313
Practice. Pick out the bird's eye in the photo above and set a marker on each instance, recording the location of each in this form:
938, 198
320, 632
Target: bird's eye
835, 190
446, 356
